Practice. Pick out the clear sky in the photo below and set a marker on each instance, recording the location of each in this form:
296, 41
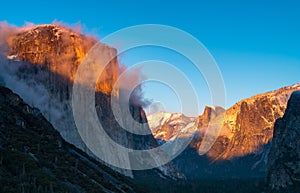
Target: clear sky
255, 43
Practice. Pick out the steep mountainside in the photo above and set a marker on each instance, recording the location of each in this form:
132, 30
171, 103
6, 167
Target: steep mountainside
40, 63
45, 58
241, 150
35, 158
251, 122
283, 173
247, 126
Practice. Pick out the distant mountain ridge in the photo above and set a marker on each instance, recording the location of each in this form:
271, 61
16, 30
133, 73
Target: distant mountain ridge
246, 128
166, 126
242, 147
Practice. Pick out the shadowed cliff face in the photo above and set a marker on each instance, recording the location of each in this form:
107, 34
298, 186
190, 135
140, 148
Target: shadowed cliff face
35, 158
283, 173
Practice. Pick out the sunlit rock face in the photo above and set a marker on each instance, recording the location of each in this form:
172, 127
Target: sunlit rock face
246, 127
60, 50
209, 114
250, 122
40, 63
242, 147
42, 44
283, 174
48, 56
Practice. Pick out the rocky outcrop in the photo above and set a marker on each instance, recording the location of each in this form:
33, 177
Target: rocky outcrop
59, 50
52, 46
283, 173
35, 158
209, 114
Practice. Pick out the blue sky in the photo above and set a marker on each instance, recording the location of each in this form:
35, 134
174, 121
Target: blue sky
255, 43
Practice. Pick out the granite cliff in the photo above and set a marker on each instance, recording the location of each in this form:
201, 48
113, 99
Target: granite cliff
283, 174
40, 62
